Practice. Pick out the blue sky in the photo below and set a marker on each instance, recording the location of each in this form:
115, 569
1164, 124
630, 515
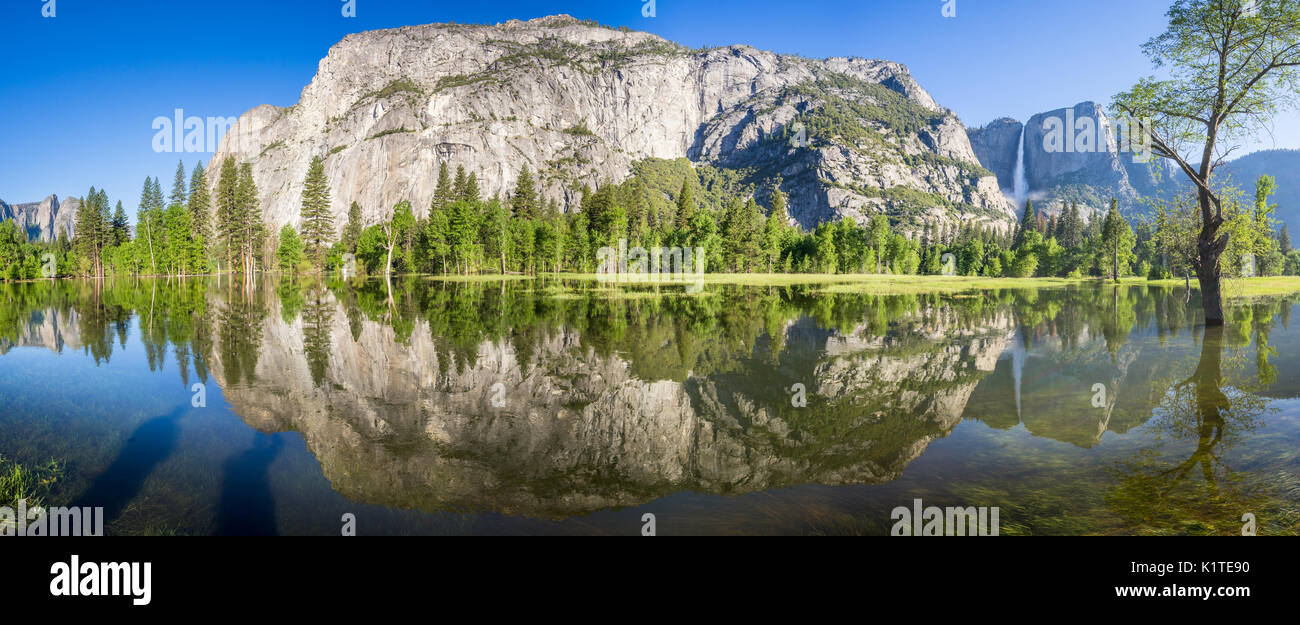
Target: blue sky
79, 91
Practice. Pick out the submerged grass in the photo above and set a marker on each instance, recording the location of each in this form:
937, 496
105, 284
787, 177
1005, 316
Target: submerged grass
33, 484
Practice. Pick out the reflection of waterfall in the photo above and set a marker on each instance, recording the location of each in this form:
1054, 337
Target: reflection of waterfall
1017, 365
1021, 189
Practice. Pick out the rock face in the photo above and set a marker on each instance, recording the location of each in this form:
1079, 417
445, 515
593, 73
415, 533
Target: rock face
1089, 167
44, 220
998, 145
580, 103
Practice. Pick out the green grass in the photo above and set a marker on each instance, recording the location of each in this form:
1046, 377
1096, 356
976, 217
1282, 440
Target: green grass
911, 284
19, 482
1235, 288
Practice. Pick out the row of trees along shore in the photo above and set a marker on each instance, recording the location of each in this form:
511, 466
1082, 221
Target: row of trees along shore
1232, 65
194, 233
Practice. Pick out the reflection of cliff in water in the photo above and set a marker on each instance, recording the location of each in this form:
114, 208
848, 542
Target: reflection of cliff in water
676, 401
1128, 346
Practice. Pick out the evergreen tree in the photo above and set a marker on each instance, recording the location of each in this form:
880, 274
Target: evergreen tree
200, 205
250, 223
774, 230
1116, 243
685, 207
317, 219
1028, 222
471, 192
461, 182
523, 204
442, 195
121, 228
352, 231
226, 205
178, 195
91, 232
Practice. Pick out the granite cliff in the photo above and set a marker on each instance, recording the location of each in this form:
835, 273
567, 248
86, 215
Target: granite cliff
580, 103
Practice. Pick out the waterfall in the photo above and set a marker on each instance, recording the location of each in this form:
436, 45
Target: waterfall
1021, 189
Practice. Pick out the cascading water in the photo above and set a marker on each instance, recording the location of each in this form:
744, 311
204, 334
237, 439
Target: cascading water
1021, 188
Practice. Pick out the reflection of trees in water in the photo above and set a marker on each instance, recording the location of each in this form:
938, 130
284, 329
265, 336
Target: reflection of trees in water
239, 333
1165, 488
317, 317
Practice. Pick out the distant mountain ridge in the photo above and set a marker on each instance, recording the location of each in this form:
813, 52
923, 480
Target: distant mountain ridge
1284, 167
44, 220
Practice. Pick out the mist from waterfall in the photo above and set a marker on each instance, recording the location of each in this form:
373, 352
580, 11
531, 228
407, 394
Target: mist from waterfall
1021, 185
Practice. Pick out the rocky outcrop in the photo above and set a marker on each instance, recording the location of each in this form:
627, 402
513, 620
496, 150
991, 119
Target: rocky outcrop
997, 146
44, 220
580, 103
1073, 155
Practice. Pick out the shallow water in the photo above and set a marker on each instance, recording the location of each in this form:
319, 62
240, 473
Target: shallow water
539, 407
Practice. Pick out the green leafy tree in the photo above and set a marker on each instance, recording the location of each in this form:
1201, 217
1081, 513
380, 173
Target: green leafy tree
1230, 65
292, 252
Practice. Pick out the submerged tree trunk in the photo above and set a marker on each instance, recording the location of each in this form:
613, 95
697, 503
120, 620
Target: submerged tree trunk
1209, 247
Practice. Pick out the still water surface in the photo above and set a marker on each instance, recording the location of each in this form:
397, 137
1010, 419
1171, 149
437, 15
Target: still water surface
540, 407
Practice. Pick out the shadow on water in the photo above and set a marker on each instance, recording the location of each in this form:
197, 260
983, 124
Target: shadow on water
247, 507
150, 444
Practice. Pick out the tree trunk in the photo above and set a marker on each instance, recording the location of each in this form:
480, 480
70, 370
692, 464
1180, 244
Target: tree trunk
1114, 261
1208, 271
1211, 298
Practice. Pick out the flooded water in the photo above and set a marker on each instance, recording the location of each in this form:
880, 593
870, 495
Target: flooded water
542, 407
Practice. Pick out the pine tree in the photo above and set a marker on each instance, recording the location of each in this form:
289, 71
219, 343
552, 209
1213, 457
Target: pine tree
471, 192
147, 219
91, 231
685, 207
317, 220
200, 205
250, 212
226, 204
442, 196
1116, 242
178, 195
121, 228
458, 186
523, 204
1284, 240
1028, 222
352, 231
